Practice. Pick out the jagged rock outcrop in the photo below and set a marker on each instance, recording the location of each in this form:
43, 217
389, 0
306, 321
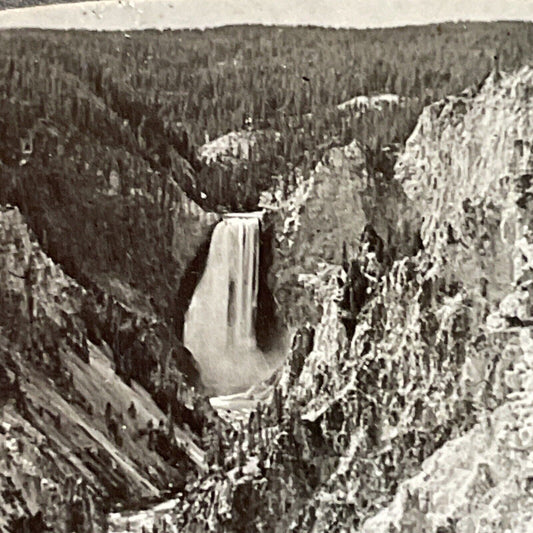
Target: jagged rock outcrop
468, 165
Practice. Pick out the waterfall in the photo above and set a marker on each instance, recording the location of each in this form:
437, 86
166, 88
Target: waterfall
220, 322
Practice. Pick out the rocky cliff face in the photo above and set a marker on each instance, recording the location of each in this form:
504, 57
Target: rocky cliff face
468, 165
73, 434
324, 214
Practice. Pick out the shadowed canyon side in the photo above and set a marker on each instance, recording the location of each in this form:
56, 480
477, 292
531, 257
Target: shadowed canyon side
220, 322
68, 413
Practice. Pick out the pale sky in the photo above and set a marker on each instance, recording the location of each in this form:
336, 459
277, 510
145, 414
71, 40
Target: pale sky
130, 14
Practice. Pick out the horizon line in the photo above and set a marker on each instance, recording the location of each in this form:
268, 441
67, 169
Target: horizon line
287, 25
164, 15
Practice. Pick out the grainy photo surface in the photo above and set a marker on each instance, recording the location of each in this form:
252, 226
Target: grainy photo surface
266, 266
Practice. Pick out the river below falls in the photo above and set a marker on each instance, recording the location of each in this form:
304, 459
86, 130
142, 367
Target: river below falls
233, 408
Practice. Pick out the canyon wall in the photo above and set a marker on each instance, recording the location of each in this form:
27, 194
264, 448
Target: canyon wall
421, 420
74, 435
468, 165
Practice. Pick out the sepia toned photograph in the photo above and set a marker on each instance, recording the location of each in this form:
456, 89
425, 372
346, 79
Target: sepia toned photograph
266, 266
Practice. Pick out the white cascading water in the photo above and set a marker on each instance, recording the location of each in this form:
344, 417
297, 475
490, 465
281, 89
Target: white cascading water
220, 322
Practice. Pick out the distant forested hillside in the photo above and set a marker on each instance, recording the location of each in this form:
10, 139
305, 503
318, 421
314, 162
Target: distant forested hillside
12, 4
80, 109
174, 88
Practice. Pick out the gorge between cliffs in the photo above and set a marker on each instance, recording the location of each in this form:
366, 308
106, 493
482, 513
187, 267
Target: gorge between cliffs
241, 295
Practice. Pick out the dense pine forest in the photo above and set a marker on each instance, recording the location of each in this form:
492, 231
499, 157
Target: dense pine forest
79, 107
161, 94
158, 95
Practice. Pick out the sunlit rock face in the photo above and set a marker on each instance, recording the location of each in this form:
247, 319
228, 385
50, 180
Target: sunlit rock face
236, 145
329, 338
468, 165
364, 103
460, 166
323, 213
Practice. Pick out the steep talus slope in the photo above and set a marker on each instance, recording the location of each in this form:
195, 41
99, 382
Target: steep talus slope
74, 435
